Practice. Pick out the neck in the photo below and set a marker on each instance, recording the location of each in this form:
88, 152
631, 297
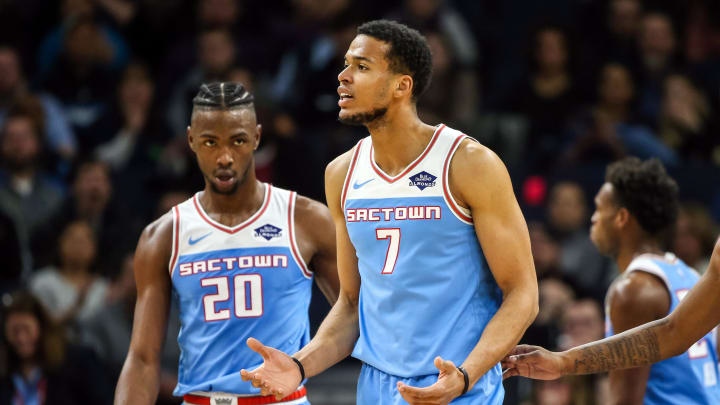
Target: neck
551, 73
246, 199
617, 112
631, 248
27, 367
399, 138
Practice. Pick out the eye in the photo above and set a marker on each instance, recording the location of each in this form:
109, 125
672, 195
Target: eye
209, 142
239, 141
363, 67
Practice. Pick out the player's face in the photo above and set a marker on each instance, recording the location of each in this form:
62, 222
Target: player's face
223, 142
365, 81
603, 231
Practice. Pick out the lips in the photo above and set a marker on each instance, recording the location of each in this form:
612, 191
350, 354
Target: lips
345, 96
224, 177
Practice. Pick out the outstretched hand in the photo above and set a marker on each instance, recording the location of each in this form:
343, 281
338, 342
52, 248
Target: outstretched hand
449, 386
278, 375
533, 362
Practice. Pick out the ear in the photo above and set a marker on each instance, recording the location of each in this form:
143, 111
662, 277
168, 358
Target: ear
404, 87
190, 139
622, 218
258, 136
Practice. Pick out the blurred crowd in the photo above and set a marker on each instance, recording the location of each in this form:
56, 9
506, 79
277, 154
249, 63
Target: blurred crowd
95, 98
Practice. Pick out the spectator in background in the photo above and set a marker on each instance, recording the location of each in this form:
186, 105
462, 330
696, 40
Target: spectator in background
657, 44
83, 74
27, 195
108, 332
580, 262
609, 130
547, 98
453, 95
686, 122
582, 323
694, 236
130, 137
70, 291
216, 53
13, 87
40, 367
114, 228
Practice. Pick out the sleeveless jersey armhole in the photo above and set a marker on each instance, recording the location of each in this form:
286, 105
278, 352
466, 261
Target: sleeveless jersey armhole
646, 265
462, 213
349, 174
175, 240
292, 198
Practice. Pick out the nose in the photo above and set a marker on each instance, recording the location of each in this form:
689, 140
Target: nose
225, 158
344, 76
593, 218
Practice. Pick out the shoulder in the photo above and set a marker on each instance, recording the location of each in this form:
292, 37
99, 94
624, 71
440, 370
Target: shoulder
158, 234
472, 155
312, 216
637, 293
338, 167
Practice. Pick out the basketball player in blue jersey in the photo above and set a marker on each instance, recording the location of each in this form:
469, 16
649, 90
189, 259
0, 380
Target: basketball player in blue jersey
635, 209
236, 258
437, 280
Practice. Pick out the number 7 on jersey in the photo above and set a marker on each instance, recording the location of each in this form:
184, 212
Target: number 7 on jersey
393, 247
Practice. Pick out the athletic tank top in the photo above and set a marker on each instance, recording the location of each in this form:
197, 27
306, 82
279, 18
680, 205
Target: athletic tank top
231, 283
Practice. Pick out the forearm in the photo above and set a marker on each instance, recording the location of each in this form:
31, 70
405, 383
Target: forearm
502, 333
334, 340
139, 382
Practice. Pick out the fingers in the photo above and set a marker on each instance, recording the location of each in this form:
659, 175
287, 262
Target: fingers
510, 372
258, 347
444, 365
522, 349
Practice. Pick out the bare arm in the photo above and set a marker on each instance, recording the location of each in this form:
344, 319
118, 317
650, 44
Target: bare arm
670, 336
139, 381
634, 300
480, 180
316, 235
336, 337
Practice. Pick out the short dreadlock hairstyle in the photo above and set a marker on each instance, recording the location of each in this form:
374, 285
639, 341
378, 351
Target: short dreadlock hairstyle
222, 96
409, 51
647, 191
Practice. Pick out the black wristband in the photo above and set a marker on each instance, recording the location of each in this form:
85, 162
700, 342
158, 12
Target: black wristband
302, 369
467, 379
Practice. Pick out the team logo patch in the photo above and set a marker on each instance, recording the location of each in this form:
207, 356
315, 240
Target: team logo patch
268, 232
423, 180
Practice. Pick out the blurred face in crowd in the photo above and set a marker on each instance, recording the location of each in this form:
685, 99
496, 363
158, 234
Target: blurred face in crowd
551, 50
20, 143
217, 52
92, 188
555, 392
136, 88
77, 245
223, 142
22, 331
218, 13
9, 70
545, 251
616, 86
583, 323
604, 230
624, 17
566, 207
656, 36
81, 43
422, 9
366, 82
440, 52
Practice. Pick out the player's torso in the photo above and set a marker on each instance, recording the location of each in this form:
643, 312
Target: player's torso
235, 283
692, 377
422, 269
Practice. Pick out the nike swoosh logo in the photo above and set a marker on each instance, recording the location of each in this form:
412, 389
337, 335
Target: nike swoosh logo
194, 241
358, 185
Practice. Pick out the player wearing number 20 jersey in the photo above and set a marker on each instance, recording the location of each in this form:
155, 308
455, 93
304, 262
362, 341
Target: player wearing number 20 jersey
235, 282
426, 288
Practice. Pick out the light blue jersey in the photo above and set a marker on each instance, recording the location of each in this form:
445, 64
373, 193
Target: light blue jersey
692, 377
426, 289
234, 283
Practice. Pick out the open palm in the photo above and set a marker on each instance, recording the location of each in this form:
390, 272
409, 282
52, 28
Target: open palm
278, 375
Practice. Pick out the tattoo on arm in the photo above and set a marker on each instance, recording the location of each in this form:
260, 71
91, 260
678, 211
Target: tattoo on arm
632, 350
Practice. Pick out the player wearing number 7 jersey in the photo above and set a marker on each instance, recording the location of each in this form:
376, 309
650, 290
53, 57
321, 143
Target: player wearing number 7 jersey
433, 251
237, 260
